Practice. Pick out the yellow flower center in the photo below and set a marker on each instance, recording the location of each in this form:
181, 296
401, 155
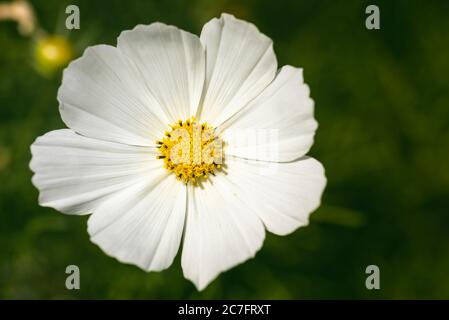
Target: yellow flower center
191, 151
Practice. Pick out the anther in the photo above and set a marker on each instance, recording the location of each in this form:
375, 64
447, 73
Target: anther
195, 169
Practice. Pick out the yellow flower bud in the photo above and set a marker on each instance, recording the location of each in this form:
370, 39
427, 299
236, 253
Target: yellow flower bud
52, 53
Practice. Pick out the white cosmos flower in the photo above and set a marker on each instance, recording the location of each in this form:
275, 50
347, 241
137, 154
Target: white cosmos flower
114, 160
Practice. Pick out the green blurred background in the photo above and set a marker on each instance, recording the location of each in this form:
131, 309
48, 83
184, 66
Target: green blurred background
382, 102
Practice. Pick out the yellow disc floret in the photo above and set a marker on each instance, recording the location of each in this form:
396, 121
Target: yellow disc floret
191, 151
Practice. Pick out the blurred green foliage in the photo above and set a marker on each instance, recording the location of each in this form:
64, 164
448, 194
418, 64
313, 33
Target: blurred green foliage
382, 102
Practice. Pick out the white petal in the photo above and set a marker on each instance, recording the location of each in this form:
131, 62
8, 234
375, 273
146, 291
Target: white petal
75, 174
278, 125
283, 194
220, 233
143, 224
103, 96
240, 63
172, 63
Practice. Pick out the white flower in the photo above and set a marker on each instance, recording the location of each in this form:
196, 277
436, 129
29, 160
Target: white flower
114, 160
